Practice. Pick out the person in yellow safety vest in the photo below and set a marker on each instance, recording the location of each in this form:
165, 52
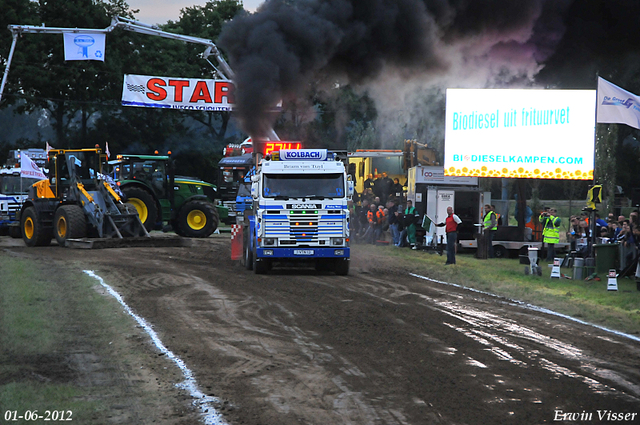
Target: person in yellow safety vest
550, 230
490, 226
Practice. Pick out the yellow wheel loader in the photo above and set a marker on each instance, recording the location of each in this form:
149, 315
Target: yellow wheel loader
76, 202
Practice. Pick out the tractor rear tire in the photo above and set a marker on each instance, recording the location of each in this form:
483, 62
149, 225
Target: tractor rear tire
33, 232
198, 219
69, 222
145, 205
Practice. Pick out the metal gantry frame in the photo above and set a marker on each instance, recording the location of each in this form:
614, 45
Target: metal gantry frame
222, 69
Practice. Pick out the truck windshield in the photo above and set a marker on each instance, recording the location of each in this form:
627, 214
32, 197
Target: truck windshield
11, 185
317, 186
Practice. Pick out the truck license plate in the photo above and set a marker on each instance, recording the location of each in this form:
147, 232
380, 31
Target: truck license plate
302, 252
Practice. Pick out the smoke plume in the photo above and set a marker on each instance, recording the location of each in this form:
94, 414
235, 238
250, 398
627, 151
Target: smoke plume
400, 51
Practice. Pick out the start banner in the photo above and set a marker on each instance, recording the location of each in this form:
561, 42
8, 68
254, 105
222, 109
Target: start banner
178, 93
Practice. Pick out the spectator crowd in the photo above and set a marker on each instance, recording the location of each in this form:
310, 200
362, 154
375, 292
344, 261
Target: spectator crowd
381, 212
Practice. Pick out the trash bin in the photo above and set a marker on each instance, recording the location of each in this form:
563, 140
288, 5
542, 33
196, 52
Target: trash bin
606, 257
590, 266
578, 265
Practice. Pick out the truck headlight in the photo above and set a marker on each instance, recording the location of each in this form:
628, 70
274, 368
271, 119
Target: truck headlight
337, 241
269, 241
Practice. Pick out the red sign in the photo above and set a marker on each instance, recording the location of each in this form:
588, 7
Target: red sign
265, 147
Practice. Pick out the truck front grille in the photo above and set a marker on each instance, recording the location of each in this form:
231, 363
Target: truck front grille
302, 228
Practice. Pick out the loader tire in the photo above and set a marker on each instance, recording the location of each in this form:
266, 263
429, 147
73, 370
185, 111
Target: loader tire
145, 205
197, 219
69, 222
33, 232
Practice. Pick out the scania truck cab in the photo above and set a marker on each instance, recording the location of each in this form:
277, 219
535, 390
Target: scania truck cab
299, 212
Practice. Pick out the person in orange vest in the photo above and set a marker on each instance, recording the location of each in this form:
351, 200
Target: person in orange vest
381, 219
498, 216
369, 234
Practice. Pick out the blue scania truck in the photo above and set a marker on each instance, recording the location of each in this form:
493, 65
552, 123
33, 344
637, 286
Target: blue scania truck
299, 212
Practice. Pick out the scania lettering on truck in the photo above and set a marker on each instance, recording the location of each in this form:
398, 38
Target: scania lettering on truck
299, 212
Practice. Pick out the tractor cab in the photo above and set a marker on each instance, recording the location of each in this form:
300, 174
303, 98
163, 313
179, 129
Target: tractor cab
152, 172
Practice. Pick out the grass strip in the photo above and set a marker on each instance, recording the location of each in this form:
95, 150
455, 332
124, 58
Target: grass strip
54, 327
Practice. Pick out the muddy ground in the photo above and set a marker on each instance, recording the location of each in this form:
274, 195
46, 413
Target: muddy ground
376, 347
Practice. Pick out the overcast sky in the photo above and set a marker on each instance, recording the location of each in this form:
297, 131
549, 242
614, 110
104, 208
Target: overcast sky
160, 11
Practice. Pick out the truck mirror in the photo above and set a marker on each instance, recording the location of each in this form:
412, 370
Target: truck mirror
254, 190
350, 188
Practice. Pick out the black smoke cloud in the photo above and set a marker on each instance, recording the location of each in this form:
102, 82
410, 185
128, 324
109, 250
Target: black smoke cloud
278, 50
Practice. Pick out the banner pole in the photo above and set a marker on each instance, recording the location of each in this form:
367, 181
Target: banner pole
6, 70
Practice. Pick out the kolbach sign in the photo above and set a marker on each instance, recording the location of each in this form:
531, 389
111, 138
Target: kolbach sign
178, 93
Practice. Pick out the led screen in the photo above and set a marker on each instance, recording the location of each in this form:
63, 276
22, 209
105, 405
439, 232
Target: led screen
547, 134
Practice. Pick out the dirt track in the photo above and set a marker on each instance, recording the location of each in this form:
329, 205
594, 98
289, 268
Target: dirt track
376, 347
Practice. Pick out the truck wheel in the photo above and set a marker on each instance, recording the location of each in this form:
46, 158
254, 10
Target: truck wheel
260, 267
14, 232
198, 219
145, 205
33, 232
69, 222
499, 251
341, 267
247, 256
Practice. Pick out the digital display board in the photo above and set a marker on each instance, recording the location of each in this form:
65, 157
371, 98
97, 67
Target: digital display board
265, 147
520, 133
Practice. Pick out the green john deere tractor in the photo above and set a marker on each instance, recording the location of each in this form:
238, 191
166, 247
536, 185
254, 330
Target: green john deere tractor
149, 183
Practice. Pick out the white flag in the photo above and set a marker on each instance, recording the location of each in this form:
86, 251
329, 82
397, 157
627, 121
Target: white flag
30, 169
48, 148
78, 47
616, 105
106, 149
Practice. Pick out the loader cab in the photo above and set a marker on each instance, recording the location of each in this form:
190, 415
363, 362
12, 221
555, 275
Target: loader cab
68, 166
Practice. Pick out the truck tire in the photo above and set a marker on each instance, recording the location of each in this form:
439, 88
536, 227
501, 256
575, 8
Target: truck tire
247, 256
198, 219
69, 222
145, 205
260, 267
15, 232
33, 232
499, 251
341, 266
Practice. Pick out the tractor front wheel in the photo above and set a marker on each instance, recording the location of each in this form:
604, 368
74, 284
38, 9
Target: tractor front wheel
197, 219
33, 232
145, 205
69, 222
